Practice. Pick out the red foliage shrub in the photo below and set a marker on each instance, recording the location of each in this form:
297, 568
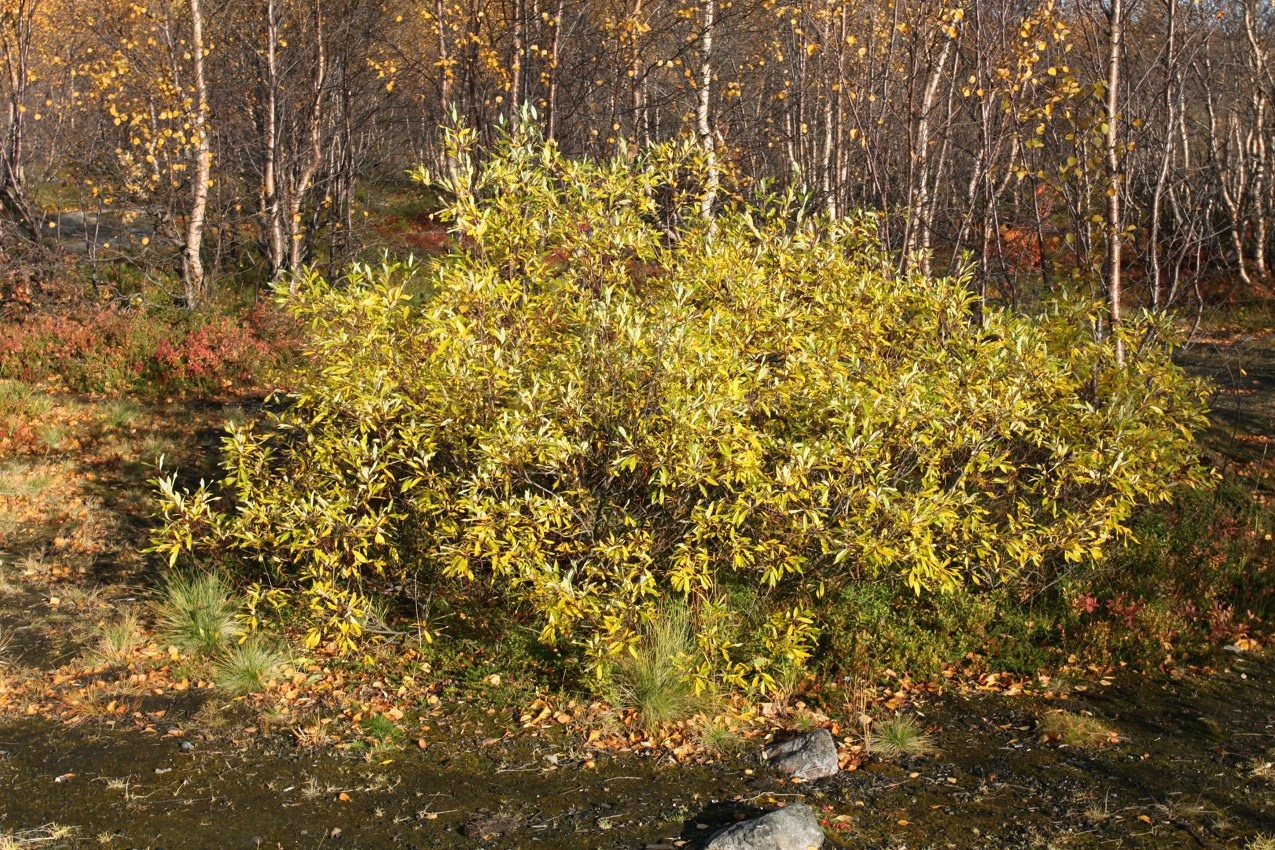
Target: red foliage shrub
96, 350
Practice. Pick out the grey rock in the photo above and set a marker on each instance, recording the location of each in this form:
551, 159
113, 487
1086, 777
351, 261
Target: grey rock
809, 756
793, 827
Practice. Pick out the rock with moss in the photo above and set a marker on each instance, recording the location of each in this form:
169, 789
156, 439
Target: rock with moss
794, 827
812, 755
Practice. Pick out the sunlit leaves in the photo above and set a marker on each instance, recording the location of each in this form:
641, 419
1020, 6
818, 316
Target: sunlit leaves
604, 403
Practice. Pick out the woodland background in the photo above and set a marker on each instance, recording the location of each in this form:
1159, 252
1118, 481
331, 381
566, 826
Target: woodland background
1027, 142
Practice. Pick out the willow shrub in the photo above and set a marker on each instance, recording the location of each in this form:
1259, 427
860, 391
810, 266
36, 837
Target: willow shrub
606, 402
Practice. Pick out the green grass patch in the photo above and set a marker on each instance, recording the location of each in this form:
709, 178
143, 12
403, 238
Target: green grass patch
119, 414
900, 736
117, 639
247, 667
195, 613
19, 399
652, 678
720, 735
24, 480
381, 730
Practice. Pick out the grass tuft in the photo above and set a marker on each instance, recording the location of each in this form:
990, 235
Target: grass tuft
718, 735
650, 680
29, 839
34, 562
117, 640
53, 436
119, 415
1082, 731
24, 480
1261, 842
901, 735
246, 667
380, 729
196, 613
1262, 768
22, 400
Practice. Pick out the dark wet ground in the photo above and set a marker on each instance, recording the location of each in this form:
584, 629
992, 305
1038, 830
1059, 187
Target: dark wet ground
112, 231
1242, 371
149, 792
1187, 771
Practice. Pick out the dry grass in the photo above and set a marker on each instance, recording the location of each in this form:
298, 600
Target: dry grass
901, 735
35, 562
118, 639
1082, 731
23, 480
40, 836
6, 638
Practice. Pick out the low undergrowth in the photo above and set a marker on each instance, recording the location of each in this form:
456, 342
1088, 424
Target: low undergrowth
89, 349
486, 661
1204, 558
1198, 573
728, 464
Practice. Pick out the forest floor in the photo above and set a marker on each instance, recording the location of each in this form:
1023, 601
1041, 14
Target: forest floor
134, 748
1241, 366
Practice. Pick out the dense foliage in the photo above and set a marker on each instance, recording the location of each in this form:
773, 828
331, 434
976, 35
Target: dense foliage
99, 350
605, 402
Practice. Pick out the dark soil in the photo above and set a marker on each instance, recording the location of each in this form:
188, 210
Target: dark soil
1185, 768
1241, 369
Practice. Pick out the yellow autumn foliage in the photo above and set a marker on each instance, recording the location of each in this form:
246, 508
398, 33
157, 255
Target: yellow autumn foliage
604, 402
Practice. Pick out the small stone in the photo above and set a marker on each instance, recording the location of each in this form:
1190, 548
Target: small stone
809, 756
187, 746
793, 827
